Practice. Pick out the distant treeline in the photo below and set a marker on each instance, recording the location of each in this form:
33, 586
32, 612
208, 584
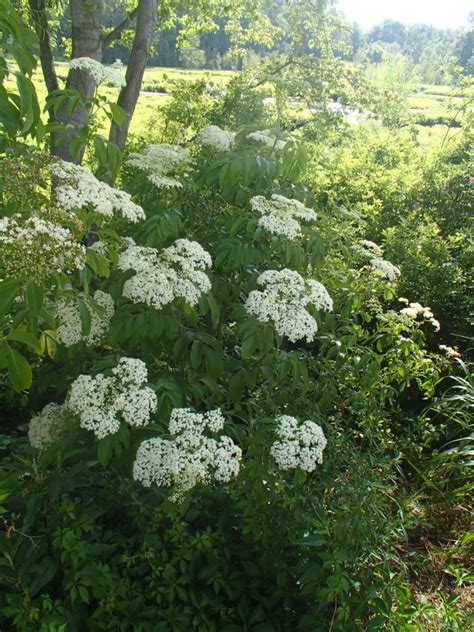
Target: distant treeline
428, 48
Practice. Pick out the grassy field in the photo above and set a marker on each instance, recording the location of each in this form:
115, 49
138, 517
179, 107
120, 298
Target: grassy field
156, 80
436, 110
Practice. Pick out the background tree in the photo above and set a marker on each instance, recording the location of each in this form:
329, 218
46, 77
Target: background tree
90, 39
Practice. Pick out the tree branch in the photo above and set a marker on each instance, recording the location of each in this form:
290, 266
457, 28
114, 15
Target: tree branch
40, 19
146, 19
116, 33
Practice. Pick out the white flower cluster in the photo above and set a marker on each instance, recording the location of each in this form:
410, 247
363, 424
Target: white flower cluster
372, 251
162, 163
69, 324
416, 310
162, 277
449, 351
78, 188
190, 456
102, 402
385, 268
279, 214
284, 300
264, 136
36, 247
49, 426
216, 137
214, 91
300, 445
369, 249
98, 71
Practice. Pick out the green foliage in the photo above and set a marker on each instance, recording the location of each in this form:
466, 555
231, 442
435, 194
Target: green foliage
19, 111
83, 545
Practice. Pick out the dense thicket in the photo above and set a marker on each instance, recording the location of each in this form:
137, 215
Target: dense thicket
234, 358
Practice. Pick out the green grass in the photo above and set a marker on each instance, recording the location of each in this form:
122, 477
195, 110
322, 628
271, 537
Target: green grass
432, 106
437, 112
148, 104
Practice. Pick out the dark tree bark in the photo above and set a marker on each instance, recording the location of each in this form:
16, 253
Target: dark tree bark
40, 19
146, 19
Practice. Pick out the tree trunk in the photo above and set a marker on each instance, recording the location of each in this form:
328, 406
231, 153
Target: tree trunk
40, 19
86, 42
146, 19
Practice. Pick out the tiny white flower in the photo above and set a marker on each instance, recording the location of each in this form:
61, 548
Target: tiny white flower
101, 403
78, 188
98, 71
190, 456
214, 136
280, 215
163, 163
283, 302
162, 277
300, 445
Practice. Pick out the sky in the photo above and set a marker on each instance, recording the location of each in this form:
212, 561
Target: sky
439, 13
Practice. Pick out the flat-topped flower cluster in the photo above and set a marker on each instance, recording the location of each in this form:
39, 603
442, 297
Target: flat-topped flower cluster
416, 311
264, 136
99, 403
35, 247
284, 300
102, 402
163, 163
98, 71
215, 137
49, 426
374, 253
164, 276
280, 215
78, 188
299, 445
190, 456
69, 323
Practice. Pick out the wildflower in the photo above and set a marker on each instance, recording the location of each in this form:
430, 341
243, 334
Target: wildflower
162, 277
69, 323
190, 456
369, 249
215, 137
284, 300
49, 426
279, 214
264, 136
101, 402
35, 247
162, 163
98, 71
449, 351
78, 188
300, 445
385, 268
416, 310
374, 253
